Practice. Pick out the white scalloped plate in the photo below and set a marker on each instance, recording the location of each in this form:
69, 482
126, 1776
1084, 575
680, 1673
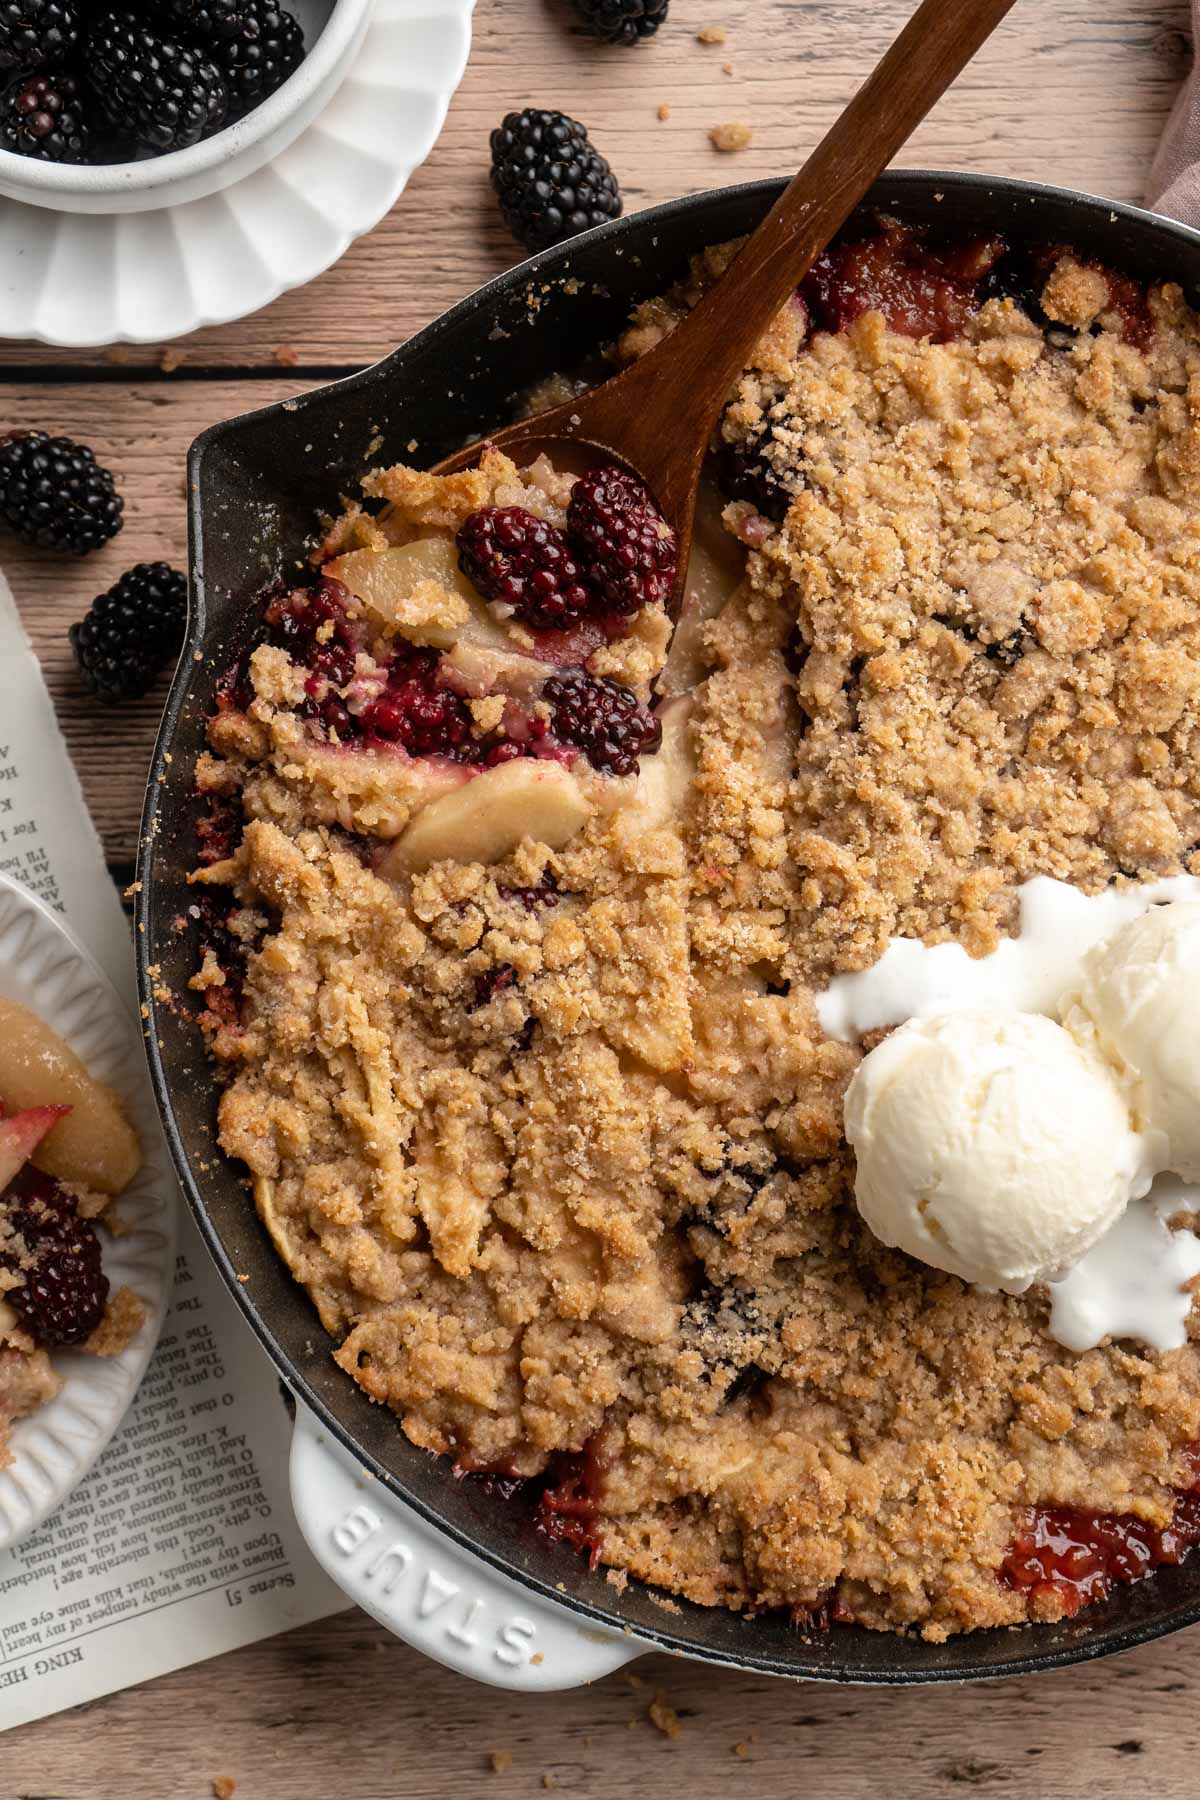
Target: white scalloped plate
43, 967
77, 279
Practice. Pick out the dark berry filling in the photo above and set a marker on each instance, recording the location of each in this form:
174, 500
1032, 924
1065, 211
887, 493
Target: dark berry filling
563, 1501
494, 981
603, 719
921, 291
929, 289
1076, 1556
62, 1297
417, 712
316, 629
758, 470
520, 561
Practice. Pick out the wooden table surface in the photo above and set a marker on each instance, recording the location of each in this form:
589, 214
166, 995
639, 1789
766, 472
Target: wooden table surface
1073, 91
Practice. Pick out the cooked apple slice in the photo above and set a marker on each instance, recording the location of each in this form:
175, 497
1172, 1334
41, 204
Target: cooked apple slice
474, 667
716, 569
92, 1142
400, 587
664, 779
488, 818
416, 589
20, 1136
376, 792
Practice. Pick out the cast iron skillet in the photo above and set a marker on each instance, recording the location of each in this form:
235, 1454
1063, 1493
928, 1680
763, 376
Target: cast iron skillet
256, 485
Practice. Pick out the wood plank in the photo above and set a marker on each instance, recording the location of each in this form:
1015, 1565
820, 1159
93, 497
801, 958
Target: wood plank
342, 1709
1066, 92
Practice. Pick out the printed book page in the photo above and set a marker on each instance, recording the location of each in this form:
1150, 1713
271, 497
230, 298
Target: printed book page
180, 1543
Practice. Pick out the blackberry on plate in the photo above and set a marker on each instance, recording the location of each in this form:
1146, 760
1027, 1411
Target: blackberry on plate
265, 47
516, 558
33, 32
603, 719
622, 538
202, 19
61, 1300
622, 21
130, 631
155, 89
43, 117
54, 493
551, 182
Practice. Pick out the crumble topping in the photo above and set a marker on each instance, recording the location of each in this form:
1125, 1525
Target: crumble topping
554, 1138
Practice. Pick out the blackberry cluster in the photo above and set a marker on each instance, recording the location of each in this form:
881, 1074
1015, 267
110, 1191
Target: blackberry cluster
131, 631
62, 1298
622, 21
603, 719
519, 560
622, 538
616, 556
45, 116
119, 82
54, 493
551, 182
33, 32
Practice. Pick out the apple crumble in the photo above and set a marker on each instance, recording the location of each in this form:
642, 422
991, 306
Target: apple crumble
513, 905
66, 1151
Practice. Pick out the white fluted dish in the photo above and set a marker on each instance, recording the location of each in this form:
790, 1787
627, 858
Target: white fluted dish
75, 279
46, 969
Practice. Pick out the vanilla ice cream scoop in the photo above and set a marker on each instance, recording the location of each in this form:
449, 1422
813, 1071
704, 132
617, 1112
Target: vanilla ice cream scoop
1138, 1002
992, 1145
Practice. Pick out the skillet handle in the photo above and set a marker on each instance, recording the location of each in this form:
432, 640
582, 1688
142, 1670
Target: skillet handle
428, 1591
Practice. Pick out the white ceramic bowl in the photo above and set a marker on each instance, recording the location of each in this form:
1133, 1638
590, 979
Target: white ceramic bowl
43, 967
333, 32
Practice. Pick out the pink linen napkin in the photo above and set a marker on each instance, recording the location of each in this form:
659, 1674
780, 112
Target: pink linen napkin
1174, 184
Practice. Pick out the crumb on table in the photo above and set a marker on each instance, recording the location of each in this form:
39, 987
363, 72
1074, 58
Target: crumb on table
664, 111
501, 1761
224, 1787
712, 34
663, 1717
737, 135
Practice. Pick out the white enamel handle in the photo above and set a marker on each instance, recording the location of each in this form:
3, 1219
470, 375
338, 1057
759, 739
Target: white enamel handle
429, 1592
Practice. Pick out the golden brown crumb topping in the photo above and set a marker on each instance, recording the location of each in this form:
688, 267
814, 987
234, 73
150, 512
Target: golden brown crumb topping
554, 1139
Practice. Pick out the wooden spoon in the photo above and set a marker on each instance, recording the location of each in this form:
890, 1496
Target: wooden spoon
658, 415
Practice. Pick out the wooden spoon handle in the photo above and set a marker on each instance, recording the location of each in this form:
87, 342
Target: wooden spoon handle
702, 359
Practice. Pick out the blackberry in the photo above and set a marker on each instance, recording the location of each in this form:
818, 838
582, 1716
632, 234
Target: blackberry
54, 493
33, 32
745, 470
519, 560
626, 545
622, 21
603, 719
61, 1300
43, 117
416, 712
161, 92
131, 631
258, 55
202, 20
551, 182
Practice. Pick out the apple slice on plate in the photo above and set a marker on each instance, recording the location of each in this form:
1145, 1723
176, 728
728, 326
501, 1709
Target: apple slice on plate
91, 1141
20, 1136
